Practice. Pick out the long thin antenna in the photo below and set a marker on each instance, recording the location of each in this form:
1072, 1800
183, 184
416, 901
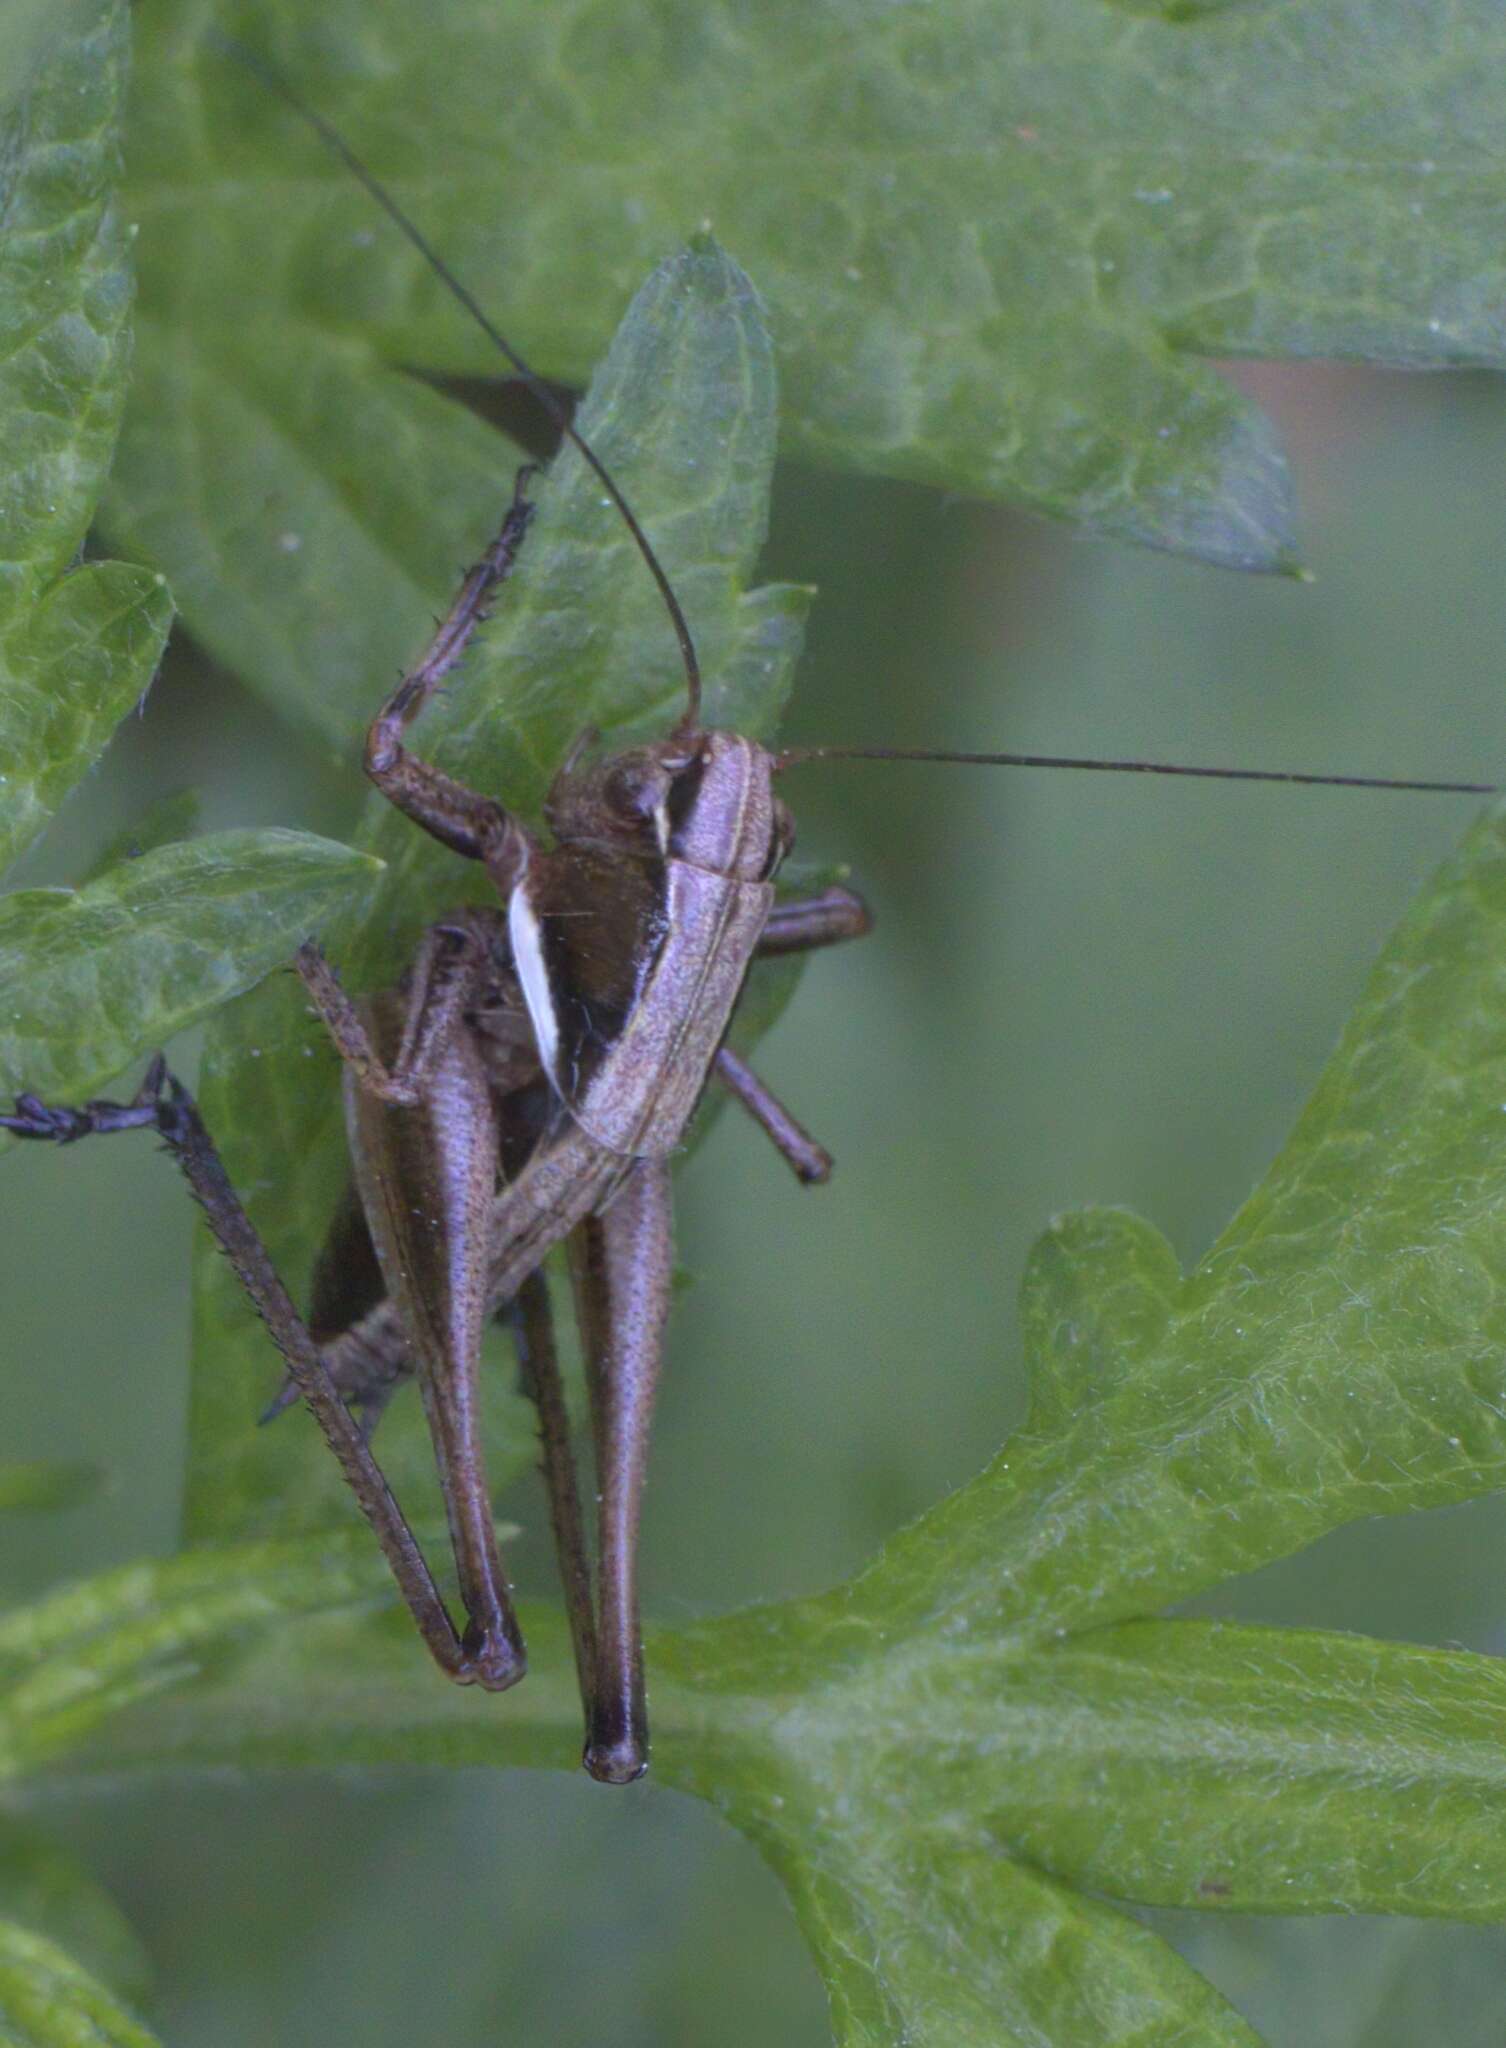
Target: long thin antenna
793, 756
271, 77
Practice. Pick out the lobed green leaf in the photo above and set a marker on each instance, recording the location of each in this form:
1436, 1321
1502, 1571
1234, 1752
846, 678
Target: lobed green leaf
1000, 247
927, 1927
935, 1808
71, 1661
937, 1756
943, 1942
78, 646
1251, 1770
1337, 1354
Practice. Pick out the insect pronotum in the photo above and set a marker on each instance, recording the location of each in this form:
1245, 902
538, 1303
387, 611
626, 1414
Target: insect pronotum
527, 1084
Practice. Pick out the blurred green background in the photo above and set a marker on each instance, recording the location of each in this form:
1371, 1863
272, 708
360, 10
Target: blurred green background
1079, 990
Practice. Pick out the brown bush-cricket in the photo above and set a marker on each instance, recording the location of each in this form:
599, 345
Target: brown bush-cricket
528, 1084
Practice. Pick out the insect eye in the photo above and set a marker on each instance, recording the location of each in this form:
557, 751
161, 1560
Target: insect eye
629, 792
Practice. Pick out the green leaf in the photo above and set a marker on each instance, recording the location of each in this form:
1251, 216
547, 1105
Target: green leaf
69, 1662
925, 1936
314, 508
926, 1939
78, 646
683, 412
945, 1757
93, 977
1337, 1354
999, 247
47, 2001
46, 1485
932, 1807
1254, 1770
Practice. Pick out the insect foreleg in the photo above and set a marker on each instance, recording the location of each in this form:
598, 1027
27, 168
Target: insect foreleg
803, 923
461, 818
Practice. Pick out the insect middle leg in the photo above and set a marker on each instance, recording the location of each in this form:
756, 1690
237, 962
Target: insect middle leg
800, 925
164, 1105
